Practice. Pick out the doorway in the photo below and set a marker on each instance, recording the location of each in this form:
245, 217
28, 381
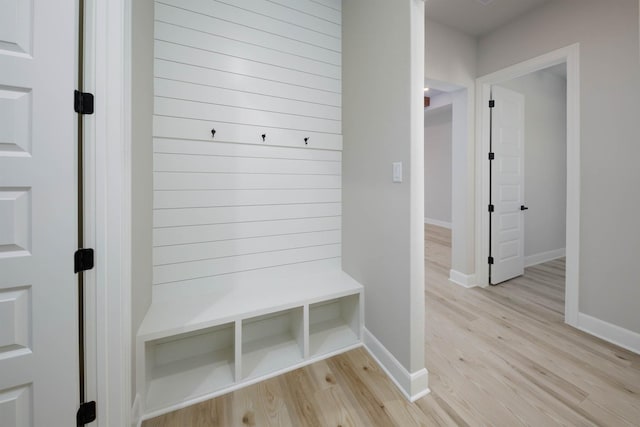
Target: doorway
568, 56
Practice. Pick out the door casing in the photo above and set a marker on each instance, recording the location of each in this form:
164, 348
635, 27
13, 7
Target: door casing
571, 56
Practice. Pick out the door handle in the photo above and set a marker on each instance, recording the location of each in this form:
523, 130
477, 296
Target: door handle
523, 207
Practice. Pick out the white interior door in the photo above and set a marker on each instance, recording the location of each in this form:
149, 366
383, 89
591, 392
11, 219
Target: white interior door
38, 307
507, 185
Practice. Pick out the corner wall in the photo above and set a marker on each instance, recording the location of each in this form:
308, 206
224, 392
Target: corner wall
383, 239
450, 57
610, 68
437, 165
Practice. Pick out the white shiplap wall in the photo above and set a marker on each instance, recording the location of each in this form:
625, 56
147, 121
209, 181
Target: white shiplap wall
234, 202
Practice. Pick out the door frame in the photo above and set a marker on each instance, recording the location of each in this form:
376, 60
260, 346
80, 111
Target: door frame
571, 56
108, 209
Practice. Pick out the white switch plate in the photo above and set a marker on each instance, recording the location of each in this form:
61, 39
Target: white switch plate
397, 171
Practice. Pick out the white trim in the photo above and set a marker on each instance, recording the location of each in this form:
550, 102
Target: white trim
111, 51
136, 411
461, 279
609, 332
208, 396
570, 55
543, 257
412, 385
437, 223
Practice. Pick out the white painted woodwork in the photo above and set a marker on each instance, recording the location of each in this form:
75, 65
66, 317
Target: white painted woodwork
333, 324
38, 298
275, 201
242, 214
169, 236
507, 221
16, 28
247, 232
272, 342
15, 129
206, 338
212, 70
196, 129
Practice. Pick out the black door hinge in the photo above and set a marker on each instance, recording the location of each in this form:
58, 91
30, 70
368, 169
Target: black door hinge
86, 414
83, 102
492, 156
83, 260
492, 103
491, 260
491, 208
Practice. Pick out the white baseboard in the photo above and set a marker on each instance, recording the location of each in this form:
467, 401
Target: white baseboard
136, 412
536, 259
464, 280
609, 332
438, 223
413, 385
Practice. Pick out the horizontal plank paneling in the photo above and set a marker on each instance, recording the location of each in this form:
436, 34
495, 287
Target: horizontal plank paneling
204, 75
221, 113
216, 44
246, 100
211, 250
215, 61
171, 127
209, 268
211, 148
217, 164
221, 181
242, 33
248, 18
333, 4
243, 230
313, 8
176, 199
181, 217
230, 200
291, 16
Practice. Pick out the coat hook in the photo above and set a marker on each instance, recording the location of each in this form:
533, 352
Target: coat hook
213, 133
306, 140
264, 137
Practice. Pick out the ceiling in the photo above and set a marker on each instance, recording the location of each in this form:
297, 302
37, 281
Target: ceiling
478, 17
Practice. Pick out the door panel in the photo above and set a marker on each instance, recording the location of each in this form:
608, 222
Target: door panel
507, 182
38, 296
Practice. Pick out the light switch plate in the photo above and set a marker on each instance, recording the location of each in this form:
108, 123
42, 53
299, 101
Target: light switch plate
397, 171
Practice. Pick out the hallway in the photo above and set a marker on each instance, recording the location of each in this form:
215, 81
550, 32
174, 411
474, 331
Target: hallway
500, 356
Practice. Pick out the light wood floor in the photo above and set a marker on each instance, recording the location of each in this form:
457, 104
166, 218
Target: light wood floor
500, 356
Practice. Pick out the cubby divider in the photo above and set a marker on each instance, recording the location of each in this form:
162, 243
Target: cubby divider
198, 346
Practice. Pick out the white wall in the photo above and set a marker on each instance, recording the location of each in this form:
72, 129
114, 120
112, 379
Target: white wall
142, 165
545, 164
610, 89
437, 165
383, 241
450, 58
233, 201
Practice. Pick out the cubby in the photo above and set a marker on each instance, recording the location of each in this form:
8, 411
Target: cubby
333, 325
189, 365
272, 342
196, 343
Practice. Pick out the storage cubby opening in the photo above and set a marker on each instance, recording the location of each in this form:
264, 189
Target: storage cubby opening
272, 342
334, 324
189, 365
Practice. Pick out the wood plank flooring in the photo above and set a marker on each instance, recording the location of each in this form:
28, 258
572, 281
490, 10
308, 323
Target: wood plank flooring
500, 356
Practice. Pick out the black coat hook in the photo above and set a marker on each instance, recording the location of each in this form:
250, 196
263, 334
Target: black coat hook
213, 133
264, 137
306, 140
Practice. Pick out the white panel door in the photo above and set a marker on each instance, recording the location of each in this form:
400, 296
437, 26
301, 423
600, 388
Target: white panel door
507, 185
38, 307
